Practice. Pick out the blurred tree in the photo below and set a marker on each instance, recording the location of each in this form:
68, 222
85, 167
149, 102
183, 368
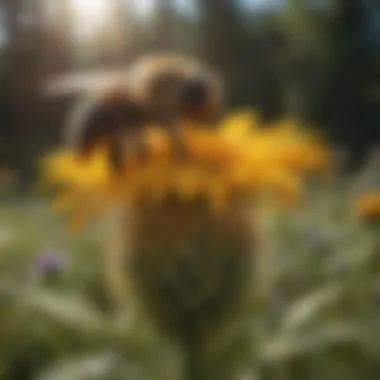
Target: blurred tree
162, 28
305, 26
186, 38
327, 63
221, 33
222, 40
22, 65
270, 62
248, 48
57, 22
350, 115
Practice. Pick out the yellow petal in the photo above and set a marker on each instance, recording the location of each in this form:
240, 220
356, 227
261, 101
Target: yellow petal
218, 196
239, 125
63, 201
77, 220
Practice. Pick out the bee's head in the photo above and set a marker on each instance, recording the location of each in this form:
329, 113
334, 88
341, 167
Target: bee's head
200, 98
181, 87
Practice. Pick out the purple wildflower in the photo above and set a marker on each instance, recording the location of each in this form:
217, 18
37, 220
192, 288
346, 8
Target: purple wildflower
50, 263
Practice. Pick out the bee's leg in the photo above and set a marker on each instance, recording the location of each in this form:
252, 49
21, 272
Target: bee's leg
116, 153
131, 144
178, 142
141, 148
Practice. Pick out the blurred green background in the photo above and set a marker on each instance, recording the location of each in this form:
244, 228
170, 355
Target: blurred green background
317, 60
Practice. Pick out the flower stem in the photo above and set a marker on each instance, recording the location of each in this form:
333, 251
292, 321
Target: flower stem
193, 363
192, 350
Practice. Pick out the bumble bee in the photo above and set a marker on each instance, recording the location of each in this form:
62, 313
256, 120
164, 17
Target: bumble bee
161, 89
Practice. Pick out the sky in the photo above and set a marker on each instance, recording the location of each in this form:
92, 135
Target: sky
145, 6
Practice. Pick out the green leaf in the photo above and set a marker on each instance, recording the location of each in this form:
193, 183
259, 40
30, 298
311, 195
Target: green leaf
309, 308
67, 309
287, 346
90, 367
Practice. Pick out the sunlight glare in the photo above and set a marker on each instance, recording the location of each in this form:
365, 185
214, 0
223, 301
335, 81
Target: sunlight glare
89, 14
93, 10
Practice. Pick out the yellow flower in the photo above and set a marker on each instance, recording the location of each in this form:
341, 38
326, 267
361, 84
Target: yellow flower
191, 219
234, 157
65, 168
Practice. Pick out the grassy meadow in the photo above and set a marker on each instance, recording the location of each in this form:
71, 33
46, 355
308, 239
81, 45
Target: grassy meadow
318, 319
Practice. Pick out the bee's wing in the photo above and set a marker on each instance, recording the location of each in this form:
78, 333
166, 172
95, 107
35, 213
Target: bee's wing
89, 87
82, 82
